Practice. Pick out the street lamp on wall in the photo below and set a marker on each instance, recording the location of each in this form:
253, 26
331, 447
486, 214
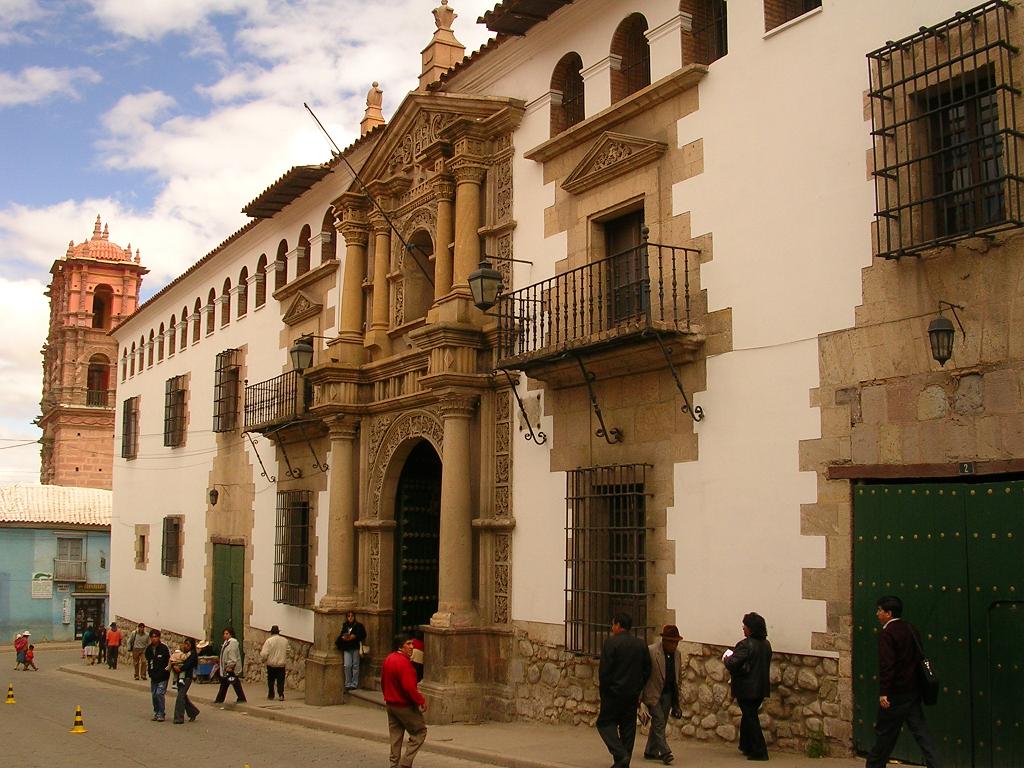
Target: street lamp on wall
485, 283
941, 333
214, 494
301, 353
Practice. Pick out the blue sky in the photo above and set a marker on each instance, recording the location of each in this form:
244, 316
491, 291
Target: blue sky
165, 118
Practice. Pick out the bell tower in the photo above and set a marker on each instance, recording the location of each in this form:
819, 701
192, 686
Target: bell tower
93, 287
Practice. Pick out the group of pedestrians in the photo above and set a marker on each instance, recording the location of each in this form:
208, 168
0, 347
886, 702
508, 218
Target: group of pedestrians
632, 674
24, 652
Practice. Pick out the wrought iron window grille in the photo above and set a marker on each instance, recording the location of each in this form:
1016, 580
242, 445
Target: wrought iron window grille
292, 545
170, 552
227, 380
174, 412
130, 428
946, 144
606, 553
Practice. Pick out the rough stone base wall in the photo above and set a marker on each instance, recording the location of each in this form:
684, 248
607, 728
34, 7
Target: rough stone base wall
254, 669
552, 685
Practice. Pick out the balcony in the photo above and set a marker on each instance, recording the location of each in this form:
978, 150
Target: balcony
69, 570
276, 402
618, 312
97, 398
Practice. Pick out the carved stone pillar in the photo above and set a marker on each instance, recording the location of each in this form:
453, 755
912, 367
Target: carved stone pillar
468, 178
455, 577
377, 337
443, 265
354, 229
341, 592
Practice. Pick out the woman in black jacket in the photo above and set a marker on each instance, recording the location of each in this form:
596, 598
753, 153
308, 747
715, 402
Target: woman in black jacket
749, 664
182, 703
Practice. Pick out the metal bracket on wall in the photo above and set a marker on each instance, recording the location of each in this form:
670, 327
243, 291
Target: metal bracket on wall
322, 467
613, 435
256, 450
696, 413
537, 437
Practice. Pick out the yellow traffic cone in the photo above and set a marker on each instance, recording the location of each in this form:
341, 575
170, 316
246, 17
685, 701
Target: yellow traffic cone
10, 694
79, 725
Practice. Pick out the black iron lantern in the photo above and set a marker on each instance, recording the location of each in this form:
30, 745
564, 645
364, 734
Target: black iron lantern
485, 283
940, 337
301, 353
214, 495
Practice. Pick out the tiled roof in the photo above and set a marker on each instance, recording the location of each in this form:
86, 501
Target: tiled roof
275, 198
54, 504
515, 17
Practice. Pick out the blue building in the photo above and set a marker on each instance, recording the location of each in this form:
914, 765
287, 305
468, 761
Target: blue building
54, 560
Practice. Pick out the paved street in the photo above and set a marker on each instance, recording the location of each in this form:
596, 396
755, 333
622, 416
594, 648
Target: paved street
120, 732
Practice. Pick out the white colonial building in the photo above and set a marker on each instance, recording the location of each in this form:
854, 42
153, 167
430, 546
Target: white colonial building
705, 388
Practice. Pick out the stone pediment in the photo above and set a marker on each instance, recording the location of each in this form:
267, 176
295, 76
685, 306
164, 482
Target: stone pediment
612, 155
302, 308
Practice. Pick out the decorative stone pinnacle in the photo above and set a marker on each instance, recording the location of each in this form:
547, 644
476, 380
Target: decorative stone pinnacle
106, 231
96, 228
444, 16
373, 116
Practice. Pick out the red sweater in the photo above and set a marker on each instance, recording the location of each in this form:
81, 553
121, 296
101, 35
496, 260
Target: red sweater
398, 679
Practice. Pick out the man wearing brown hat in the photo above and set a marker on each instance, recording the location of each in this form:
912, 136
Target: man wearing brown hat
661, 694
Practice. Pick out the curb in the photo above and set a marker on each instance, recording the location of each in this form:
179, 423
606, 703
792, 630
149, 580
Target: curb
440, 748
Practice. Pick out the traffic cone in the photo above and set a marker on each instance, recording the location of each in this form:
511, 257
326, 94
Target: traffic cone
79, 725
10, 694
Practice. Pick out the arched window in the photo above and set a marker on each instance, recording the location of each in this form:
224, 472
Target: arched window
328, 238
630, 44
102, 301
131, 360
142, 353
708, 39
98, 381
417, 277
281, 265
211, 310
184, 328
261, 281
172, 333
225, 307
160, 344
566, 93
197, 321
124, 364
151, 349
243, 292
302, 254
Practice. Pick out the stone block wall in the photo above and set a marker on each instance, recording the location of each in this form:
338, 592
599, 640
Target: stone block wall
552, 685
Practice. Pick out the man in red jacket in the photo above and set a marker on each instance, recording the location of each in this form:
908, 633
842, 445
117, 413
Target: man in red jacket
405, 703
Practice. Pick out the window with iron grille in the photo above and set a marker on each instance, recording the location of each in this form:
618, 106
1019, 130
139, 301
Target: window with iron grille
778, 12
292, 542
630, 44
606, 553
174, 411
708, 38
947, 150
170, 550
225, 391
130, 428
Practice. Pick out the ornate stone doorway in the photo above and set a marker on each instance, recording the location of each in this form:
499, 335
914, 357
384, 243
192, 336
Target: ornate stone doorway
417, 536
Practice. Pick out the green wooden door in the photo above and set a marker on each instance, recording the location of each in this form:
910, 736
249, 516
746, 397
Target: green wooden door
228, 593
417, 536
953, 553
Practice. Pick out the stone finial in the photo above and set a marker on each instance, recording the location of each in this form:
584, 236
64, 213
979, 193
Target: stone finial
106, 231
71, 248
136, 255
96, 228
373, 115
444, 50
444, 16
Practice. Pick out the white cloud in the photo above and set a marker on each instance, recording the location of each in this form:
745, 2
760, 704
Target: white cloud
35, 84
15, 12
152, 19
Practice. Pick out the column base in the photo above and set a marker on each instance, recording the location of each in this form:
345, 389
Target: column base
325, 679
456, 307
378, 341
455, 616
466, 675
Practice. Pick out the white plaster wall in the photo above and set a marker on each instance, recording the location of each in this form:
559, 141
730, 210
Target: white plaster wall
164, 481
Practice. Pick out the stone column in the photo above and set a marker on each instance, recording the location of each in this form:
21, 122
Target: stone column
443, 265
357, 236
455, 576
468, 178
381, 263
341, 536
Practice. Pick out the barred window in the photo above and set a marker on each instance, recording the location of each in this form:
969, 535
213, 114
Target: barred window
567, 107
292, 540
606, 553
778, 12
630, 44
946, 145
170, 551
130, 428
225, 391
708, 37
174, 412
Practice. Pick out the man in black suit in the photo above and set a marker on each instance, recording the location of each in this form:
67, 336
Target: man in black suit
625, 667
899, 699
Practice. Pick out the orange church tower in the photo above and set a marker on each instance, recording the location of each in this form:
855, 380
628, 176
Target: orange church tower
94, 287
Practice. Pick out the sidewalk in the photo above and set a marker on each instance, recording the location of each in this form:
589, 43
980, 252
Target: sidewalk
514, 745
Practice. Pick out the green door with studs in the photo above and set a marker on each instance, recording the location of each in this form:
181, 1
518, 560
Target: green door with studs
953, 552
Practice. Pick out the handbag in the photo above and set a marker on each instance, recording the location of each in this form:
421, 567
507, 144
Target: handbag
926, 676
364, 649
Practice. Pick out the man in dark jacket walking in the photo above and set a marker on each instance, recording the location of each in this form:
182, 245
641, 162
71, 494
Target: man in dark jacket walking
157, 659
899, 692
625, 667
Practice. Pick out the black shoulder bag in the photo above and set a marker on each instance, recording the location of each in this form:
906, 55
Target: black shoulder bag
926, 676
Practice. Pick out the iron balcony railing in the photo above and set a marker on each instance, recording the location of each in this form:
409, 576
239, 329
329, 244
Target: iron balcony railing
647, 287
275, 401
69, 570
97, 398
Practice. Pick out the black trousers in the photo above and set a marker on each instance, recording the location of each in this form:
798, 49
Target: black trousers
234, 682
751, 738
888, 724
275, 675
616, 724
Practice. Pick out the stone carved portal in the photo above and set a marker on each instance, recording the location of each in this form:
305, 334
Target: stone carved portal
417, 538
